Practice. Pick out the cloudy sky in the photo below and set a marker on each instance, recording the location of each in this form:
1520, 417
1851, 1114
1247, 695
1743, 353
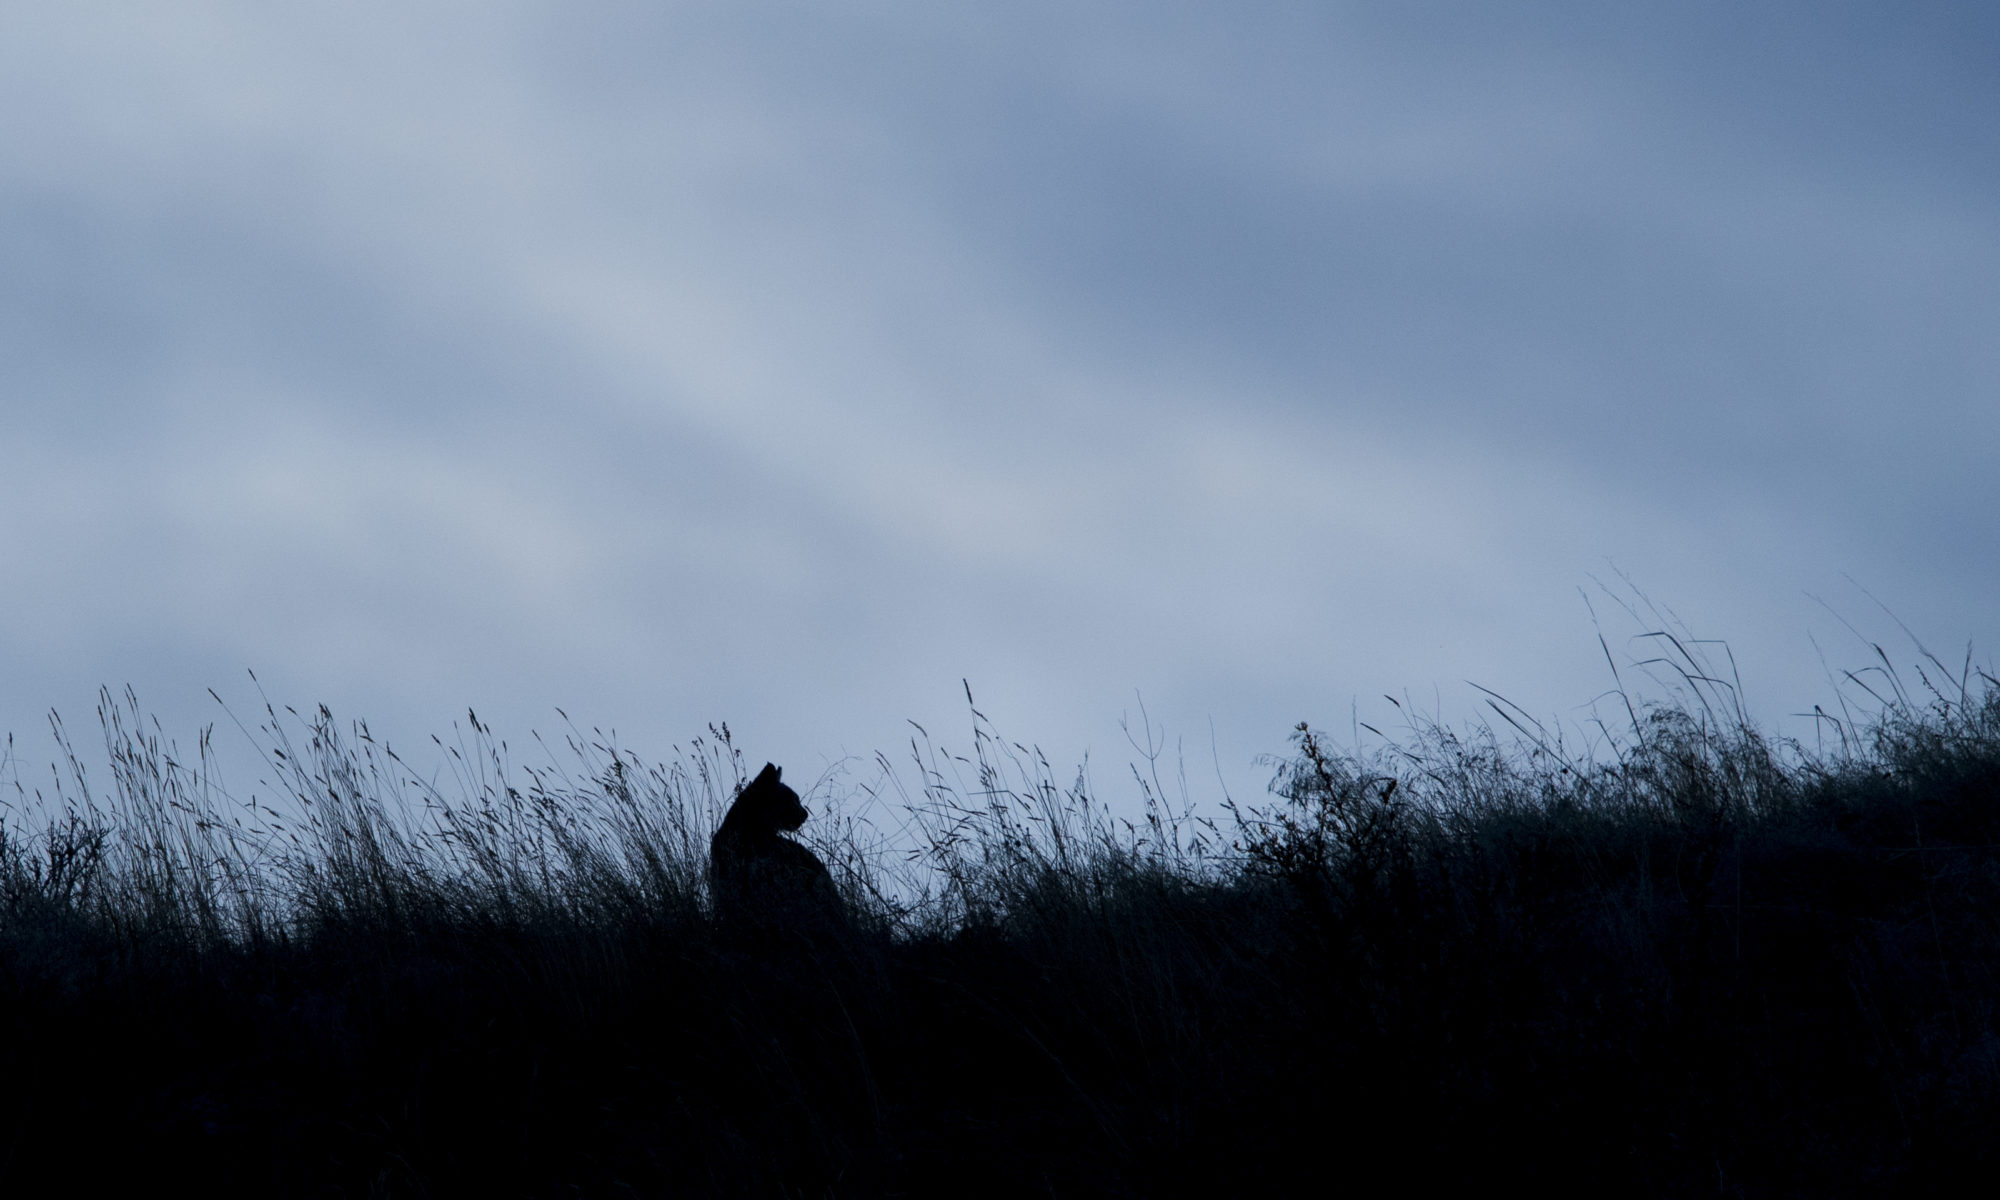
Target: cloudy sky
787, 364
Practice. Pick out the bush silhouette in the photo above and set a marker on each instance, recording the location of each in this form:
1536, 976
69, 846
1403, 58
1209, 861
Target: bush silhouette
1701, 962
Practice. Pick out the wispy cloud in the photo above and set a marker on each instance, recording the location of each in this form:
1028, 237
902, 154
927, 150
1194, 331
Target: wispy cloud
786, 365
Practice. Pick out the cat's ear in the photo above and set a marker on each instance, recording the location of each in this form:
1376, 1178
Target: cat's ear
769, 774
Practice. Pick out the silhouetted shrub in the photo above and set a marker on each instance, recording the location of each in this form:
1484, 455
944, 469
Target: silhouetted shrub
1696, 963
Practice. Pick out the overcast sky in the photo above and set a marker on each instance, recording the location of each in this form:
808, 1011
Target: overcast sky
786, 364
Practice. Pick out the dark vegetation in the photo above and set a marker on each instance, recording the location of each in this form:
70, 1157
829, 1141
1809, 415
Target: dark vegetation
1687, 962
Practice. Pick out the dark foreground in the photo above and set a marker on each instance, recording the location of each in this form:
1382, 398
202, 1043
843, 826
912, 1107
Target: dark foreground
1702, 968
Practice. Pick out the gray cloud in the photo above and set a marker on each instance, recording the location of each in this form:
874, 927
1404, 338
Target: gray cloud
785, 365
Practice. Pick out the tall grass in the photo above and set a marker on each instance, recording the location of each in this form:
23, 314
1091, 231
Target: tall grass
1666, 953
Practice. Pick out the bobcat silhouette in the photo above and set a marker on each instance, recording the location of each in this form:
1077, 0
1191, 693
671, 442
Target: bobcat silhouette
760, 878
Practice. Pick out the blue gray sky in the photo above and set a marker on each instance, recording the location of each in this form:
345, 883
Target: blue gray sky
787, 364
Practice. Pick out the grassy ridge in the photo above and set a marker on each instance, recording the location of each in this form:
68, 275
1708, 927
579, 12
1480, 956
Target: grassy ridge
1691, 962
